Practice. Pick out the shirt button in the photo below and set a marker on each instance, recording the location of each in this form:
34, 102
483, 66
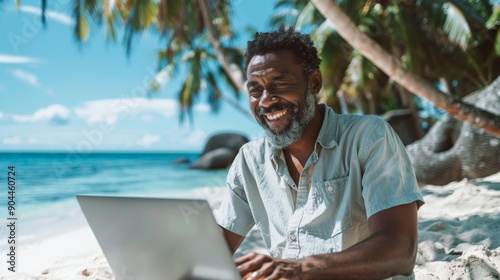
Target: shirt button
330, 188
293, 237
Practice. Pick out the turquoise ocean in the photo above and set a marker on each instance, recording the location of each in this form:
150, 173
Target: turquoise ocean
46, 185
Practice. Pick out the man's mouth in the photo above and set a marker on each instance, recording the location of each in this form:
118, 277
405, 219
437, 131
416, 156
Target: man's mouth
276, 115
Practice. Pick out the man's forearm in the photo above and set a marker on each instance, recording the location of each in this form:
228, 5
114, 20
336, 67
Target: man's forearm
378, 257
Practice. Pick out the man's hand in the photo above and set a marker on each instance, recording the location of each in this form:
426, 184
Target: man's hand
255, 266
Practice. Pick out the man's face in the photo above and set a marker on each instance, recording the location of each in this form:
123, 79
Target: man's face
280, 98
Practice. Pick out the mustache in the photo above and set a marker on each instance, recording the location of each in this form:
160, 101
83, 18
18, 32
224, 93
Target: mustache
275, 108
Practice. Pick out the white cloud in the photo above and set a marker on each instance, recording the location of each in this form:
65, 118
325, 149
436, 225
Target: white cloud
202, 108
15, 59
147, 118
14, 140
26, 77
196, 137
32, 141
148, 140
112, 110
2, 116
55, 113
17, 140
56, 16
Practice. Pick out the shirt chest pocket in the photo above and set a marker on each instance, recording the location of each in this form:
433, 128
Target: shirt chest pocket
331, 208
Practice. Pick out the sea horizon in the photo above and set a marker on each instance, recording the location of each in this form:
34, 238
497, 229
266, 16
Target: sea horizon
46, 184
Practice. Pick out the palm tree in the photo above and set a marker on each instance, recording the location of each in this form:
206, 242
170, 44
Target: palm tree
432, 38
184, 25
392, 67
189, 28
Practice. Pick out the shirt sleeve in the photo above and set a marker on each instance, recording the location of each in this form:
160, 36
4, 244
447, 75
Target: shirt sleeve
388, 177
234, 213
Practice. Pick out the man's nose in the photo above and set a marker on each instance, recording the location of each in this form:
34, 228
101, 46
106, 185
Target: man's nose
268, 99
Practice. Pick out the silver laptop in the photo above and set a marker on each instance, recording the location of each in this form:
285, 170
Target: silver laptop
159, 238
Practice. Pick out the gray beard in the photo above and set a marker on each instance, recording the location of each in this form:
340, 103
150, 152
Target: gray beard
296, 127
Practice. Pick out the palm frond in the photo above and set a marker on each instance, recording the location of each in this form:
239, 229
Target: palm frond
185, 98
237, 57
93, 8
337, 53
494, 19
285, 17
44, 11
222, 11
283, 3
111, 20
411, 41
171, 15
497, 43
81, 30
141, 16
161, 77
468, 9
214, 94
321, 34
306, 16
456, 26
446, 22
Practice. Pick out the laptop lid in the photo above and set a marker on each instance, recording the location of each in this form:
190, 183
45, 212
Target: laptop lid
159, 238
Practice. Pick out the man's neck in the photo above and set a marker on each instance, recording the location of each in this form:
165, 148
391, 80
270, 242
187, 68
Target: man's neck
305, 145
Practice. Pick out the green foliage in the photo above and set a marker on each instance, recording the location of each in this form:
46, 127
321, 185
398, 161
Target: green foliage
180, 24
456, 41
493, 23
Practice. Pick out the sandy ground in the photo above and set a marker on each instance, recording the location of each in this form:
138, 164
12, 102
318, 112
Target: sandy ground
459, 238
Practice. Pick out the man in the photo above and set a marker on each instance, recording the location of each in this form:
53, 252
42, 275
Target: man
334, 196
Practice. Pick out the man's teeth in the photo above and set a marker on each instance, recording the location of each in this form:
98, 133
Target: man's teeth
274, 116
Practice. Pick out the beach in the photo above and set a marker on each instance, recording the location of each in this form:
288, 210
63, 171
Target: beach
459, 238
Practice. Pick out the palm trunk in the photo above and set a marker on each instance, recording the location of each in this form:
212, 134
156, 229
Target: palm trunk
479, 118
232, 70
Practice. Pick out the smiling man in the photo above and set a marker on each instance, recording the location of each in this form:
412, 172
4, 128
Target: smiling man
334, 196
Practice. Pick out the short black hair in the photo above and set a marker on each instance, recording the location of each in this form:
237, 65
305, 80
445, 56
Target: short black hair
301, 46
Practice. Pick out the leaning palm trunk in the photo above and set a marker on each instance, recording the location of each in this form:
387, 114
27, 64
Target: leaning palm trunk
232, 70
485, 120
453, 150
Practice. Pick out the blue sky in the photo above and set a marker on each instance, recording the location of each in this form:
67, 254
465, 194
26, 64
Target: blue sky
57, 96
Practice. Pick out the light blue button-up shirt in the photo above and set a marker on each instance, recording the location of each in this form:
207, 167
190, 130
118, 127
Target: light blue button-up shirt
358, 168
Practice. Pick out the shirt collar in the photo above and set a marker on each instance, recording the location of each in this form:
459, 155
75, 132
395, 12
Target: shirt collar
326, 136
275, 155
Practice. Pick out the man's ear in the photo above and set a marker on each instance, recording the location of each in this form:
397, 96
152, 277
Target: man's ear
316, 81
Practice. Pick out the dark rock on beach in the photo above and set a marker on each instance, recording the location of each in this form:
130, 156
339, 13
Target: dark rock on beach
181, 160
220, 151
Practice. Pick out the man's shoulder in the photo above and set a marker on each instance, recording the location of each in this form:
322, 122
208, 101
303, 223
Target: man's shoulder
358, 124
255, 143
354, 120
256, 149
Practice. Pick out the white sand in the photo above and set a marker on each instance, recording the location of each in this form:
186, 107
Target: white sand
459, 231
459, 238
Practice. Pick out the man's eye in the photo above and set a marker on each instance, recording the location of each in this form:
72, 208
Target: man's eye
279, 85
255, 91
